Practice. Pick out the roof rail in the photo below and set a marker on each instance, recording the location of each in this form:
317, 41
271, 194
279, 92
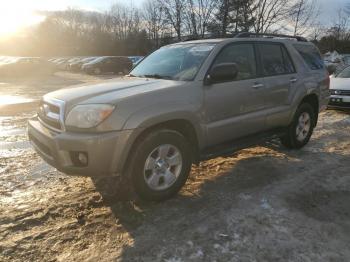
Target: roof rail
267, 35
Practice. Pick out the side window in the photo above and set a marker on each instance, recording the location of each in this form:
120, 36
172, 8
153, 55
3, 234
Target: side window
311, 56
287, 61
275, 60
241, 54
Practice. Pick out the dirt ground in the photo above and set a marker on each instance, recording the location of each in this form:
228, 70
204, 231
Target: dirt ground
261, 204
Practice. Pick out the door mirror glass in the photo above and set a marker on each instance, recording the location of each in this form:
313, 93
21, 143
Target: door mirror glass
223, 72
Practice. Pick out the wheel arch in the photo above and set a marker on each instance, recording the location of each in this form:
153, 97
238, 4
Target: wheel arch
181, 125
312, 99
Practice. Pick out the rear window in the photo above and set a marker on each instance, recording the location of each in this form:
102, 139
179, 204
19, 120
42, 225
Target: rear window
311, 56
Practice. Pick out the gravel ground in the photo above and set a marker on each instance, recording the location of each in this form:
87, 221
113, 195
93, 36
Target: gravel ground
264, 203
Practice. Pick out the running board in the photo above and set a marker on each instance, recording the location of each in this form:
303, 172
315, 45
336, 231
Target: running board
231, 147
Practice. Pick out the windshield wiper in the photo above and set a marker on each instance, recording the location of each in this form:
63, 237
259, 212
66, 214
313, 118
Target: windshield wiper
157, 76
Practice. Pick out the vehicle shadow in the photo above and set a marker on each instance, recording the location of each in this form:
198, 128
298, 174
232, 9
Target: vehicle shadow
213, 188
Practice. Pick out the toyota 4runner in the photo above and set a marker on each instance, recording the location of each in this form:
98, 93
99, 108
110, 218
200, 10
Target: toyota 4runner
184, 103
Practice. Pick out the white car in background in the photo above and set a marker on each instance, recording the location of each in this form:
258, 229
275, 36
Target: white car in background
340, 89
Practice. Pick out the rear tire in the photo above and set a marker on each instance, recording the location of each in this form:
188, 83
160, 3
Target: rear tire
161, 164
300, 130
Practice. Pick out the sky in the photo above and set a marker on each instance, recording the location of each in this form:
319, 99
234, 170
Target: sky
16, 15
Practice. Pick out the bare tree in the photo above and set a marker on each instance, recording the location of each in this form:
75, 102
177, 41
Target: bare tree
154, 15
124, 20
269, 14
199, 15
340, 27
317, 31
303, 14
174, 10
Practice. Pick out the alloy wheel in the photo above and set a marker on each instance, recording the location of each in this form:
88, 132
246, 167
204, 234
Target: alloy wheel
163, 167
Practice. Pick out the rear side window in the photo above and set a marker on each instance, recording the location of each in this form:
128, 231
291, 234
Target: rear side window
311, 56
244, 57
275, 60
289, 66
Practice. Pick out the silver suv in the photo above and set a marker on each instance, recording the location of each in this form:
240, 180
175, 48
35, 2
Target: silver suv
184, 103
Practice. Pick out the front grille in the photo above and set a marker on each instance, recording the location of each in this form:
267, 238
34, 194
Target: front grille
339, 104
340, 92
345, 92
51, 123
50, 112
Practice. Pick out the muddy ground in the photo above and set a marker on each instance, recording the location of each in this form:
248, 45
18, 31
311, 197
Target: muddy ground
261, 204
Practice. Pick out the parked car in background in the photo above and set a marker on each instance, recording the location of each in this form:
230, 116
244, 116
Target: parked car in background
340, 89
75, 66
346, 58
336, 62
66, 65
135, 59
23, 66
108, 64
183, 104
61, 63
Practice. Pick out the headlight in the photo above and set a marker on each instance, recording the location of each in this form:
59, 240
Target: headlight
87, 116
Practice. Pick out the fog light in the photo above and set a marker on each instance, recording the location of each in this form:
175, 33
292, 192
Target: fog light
83, 158
79, 159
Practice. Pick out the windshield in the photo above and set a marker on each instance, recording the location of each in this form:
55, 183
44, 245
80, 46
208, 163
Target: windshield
345, 73
176, 62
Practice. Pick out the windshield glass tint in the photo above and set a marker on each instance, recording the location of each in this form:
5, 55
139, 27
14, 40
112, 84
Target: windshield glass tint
176, 62
345, 73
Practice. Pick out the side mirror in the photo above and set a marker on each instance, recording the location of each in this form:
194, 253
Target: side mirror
223, 72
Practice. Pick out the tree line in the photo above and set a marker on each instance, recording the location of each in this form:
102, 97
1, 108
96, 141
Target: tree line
131, 30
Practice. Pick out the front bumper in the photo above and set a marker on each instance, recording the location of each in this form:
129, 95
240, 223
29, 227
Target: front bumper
105, 151
338, 101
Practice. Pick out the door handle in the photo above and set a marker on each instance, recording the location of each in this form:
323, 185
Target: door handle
258, 86
293, 80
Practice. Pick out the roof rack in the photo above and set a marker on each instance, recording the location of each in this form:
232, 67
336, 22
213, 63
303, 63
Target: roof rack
267, 35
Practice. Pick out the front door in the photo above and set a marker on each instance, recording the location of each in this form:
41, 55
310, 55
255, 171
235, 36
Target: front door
235, 109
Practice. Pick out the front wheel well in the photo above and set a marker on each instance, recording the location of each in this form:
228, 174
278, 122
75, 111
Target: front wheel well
312, 99
182, 126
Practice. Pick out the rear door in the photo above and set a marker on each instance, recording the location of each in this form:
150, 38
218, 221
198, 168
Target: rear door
236, 108
280, 77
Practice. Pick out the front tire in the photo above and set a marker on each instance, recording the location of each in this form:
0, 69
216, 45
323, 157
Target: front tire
300, 130
161, 165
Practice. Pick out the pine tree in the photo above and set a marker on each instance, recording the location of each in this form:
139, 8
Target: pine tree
233, 16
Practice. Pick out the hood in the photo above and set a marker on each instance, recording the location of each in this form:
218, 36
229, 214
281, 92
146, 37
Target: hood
340, 83
110, 91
